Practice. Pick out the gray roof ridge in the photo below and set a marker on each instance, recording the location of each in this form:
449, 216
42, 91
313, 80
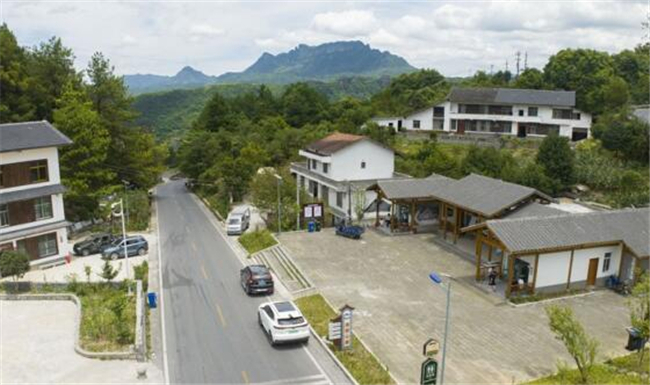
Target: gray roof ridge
567, 214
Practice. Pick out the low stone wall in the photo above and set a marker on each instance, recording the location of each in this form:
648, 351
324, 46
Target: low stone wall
137, 351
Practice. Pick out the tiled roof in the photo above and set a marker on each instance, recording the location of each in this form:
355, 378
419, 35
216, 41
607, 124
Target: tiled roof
413, 188
513, 96
534, 209
333, 143
631, 226
26, 135
31, 193
484, 195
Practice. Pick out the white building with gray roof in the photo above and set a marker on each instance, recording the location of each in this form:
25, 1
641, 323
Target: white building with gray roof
32, 218
500, 111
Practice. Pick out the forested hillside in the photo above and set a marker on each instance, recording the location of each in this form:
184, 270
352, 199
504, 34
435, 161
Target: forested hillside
94, 110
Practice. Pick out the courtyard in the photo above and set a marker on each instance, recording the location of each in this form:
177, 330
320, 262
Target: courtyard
398, 307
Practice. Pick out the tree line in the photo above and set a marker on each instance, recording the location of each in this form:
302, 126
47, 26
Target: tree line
92, 107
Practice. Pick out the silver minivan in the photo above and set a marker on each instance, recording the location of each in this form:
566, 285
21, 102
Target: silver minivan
238, 220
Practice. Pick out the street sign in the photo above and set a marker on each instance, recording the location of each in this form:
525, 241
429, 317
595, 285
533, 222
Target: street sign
429, 372
312, 210
346, 321
431, 347
334, 331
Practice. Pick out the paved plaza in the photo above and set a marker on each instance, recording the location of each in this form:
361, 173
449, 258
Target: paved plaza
397, 308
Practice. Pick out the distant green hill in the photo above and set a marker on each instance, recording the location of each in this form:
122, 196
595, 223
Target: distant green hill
326, 62
170, 113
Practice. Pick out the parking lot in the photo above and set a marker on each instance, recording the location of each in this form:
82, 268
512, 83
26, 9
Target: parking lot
397, 308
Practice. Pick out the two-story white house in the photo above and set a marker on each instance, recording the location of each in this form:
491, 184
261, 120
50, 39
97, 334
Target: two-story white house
338, 169
32, 219
500, 111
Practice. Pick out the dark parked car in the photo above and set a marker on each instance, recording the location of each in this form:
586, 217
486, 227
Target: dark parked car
256, 279
93, 244
135, 245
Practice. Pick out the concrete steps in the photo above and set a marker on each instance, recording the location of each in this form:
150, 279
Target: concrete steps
280, 262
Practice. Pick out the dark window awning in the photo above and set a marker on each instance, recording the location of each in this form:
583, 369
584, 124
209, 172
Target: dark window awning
30, 193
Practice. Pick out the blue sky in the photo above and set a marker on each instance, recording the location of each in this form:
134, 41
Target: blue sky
457, 38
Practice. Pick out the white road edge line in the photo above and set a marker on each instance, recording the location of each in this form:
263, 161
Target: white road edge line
162, 290
211, 219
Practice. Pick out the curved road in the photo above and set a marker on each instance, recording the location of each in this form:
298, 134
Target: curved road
211, 326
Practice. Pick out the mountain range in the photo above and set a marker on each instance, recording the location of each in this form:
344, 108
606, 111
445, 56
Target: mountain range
324, 62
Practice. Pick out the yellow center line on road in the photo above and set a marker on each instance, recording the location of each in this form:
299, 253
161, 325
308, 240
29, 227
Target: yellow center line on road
205, 275
221, 317
244, 376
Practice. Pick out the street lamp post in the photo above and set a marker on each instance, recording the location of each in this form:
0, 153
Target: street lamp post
437, 279
126, 254
279, 178
126, 199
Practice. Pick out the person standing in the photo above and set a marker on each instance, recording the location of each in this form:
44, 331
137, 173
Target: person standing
492, 279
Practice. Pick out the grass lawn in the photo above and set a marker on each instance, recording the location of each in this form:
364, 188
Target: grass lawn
257, 240
360, 363
603, 374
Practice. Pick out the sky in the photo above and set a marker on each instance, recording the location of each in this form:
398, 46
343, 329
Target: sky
455, 37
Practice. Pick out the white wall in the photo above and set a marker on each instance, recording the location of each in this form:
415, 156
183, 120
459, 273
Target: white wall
553, 269
387, 122
424, 116
49, 153
346, 163
369, 196
581, 262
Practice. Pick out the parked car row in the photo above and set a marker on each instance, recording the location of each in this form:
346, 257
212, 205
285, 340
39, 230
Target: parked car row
281, 321
111, 246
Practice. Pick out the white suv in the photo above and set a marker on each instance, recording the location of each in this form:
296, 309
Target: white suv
283, 322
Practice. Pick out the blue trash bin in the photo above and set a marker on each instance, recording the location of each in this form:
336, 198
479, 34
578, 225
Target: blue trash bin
311, 226
152, 300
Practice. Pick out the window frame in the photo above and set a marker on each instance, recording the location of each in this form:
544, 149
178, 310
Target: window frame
39, 204
4, 213
416, 124
326, 168
340, 198
363, 164
531, 113
50, 238
39, 170
607, 261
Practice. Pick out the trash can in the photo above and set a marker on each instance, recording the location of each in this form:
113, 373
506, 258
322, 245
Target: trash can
152, 299
317, 226
311, 226
634, 340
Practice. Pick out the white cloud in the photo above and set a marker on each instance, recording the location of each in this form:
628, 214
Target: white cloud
348, 23
216, 37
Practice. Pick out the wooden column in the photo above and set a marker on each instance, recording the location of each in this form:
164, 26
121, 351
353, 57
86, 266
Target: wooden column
479, 253
377, 202
568, 278
412, 222
490, 254
511, 271
444, 221
392, 215
457, 214
535, 273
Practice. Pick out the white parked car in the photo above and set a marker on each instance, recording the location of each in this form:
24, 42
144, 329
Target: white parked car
238, 220
283, 322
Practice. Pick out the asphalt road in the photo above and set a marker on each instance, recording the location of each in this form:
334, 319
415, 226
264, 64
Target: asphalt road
211, 324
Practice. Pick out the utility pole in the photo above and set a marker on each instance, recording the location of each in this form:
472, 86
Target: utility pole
491, 69
279, 178
349, 202
506, 65
525, 60
298, 202
518, 59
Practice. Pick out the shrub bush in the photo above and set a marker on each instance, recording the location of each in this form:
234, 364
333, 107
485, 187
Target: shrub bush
257, 240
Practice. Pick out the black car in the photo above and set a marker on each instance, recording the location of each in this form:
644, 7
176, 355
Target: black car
256, 279
93, 244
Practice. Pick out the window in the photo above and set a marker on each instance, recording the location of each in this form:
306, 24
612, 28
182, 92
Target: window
438, 112
4, 215
314, 164
325, 168
339, 198
38, 171
521, 112
43, 208
607, 261
363, 164
416, 124
2, 184
532, 111
47, 245
562, 113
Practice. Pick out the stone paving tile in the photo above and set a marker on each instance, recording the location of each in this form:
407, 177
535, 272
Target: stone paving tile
398, 308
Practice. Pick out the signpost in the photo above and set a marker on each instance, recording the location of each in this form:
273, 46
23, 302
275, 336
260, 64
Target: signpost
429, 372
430, 348
340, 328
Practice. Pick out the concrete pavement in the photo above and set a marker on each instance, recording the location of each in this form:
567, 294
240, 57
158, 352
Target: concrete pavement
211, 324
38, 347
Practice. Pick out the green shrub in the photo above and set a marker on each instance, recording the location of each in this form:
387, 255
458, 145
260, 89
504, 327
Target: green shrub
257, 240
13, 264
141, 272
